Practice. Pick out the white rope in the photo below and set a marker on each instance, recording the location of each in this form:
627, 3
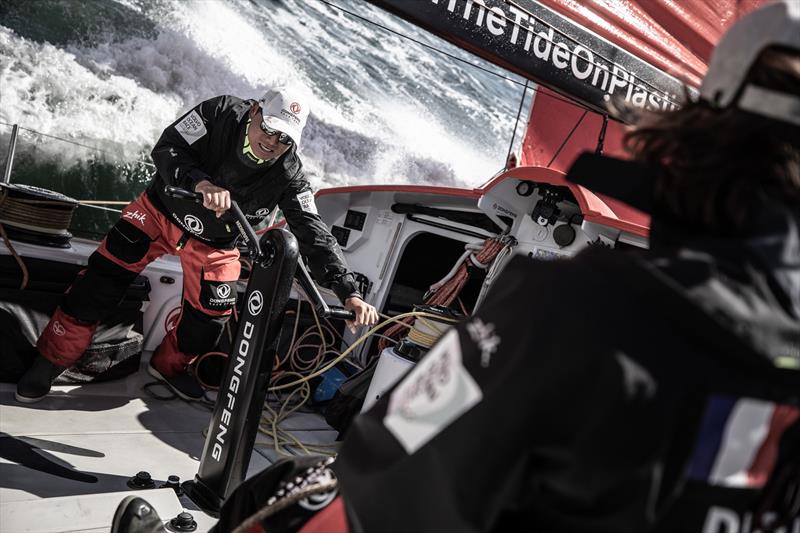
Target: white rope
101, 208
470, 248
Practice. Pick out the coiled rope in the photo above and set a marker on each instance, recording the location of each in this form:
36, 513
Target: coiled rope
425, 332
297, 391
52, 215
48, 216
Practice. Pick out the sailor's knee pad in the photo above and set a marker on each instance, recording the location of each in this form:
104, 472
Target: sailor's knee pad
99, 290
127, 243
197, 331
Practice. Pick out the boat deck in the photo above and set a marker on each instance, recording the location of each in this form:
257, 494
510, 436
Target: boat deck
65, 461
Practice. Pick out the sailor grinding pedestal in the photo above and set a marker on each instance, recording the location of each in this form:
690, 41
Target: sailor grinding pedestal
227, 149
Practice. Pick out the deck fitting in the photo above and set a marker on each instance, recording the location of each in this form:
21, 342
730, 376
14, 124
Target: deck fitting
141, 480
182, 522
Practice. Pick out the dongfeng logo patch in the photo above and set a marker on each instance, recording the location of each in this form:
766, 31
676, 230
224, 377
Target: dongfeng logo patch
255, 303
219, 296
193, 224
224, 290
259, 214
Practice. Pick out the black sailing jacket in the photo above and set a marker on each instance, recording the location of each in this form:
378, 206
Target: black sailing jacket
207, 144
612, 392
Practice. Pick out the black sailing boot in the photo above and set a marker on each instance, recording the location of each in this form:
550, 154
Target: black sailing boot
135, 515
35, 383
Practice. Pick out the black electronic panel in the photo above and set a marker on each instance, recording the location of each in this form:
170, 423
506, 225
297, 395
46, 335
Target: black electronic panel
355, 220
340, 234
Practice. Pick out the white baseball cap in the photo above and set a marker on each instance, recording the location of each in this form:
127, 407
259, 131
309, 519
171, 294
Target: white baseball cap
285, 109
776, 24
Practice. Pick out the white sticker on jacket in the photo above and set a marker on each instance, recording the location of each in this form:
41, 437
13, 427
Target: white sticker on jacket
434, 394
191, 127
306, 201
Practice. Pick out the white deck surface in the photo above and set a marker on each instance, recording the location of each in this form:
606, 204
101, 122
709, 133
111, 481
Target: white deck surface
89, 440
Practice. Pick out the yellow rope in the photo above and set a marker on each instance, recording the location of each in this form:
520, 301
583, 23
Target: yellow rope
425, 333
270, 422
398, 319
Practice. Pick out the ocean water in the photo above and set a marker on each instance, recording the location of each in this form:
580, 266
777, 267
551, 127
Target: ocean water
94, 82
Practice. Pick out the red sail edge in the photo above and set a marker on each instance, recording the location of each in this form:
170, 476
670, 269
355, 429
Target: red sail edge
676, 36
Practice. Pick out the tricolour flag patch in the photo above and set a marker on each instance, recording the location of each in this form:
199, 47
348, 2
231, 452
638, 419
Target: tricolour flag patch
737, 445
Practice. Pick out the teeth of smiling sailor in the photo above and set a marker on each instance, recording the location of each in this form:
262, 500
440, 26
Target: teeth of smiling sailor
264, 148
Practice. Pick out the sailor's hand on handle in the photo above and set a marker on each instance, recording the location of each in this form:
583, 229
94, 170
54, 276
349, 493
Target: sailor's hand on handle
340, 313
365, 314
215, 198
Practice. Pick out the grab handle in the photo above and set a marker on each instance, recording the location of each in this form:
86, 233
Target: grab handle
177, 192
320, 305
245, 229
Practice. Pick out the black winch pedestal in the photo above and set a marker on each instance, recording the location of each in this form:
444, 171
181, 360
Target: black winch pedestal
240, 399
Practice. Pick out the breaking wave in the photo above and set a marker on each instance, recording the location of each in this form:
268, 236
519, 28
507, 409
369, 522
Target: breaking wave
385, 110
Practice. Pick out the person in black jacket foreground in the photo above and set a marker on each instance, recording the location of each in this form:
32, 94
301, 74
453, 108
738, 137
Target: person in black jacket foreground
228, 149
626, 392
616, 391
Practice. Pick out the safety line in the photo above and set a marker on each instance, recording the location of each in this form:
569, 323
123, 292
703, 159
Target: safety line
74, 142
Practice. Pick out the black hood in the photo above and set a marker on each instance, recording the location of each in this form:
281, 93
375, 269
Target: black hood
751, 286
750, 283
